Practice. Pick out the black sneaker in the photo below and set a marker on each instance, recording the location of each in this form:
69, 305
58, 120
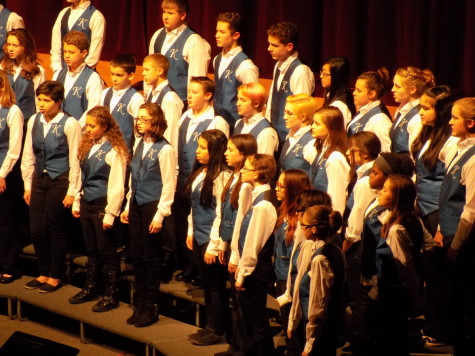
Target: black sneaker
34, 284
208, 338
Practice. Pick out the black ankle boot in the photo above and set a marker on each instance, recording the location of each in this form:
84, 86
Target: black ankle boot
110, 300
91, 285
138, 311
149, 316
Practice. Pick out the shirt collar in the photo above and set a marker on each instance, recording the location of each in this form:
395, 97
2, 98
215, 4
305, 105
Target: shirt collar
77, 71
283, 65
120, 91
300, 132
177, 30
55, 120
406, 108
254, 119
363, 168
463, 144
232, 52
372, 104
259, 189
159, 87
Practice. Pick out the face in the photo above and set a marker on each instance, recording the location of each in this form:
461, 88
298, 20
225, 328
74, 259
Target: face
278, 50
144, 122
73, 57
308, 231
197, 97
233, 156
376, 177
48, 106
120, 78
150, 73
400, 94
291, 119
459, 124
279, 188
325, 76
361, 95
355, 155
172, 18
224, 36
319, 129
248, 174
202, 154
427, 111
385, 195
94, 130
245, 106
14, 48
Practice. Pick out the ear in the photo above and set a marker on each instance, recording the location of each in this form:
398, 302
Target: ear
183, 16
160, 72
208, 96
131, 76
372, 95
84, 53
412, 90
290, 46
236, 35
470, 124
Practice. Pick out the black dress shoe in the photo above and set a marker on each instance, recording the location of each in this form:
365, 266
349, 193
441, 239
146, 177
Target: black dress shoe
49, 288
5, 280
196, 281
183, 277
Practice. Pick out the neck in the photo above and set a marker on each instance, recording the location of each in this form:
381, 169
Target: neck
72, 69
75, 4
249, 115
227, 49
50, 116
466, 136
159, 81
200, 110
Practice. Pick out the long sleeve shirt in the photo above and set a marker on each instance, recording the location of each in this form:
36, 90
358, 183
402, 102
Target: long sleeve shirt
302, 80
14, 121
246, 72
267, 139
14, 20
172, 107
363, 196
166, 159
94, 89
196, 50
115, 183
218, 186
261, 227
217, 123
97, 24
72, 130
380, 124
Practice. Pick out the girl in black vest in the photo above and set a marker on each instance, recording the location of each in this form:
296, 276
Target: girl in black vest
103, 156
50, 170
319, 295
398, 264
152, 187
205, 186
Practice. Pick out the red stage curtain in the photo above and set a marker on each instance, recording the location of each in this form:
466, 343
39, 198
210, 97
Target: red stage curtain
435, 34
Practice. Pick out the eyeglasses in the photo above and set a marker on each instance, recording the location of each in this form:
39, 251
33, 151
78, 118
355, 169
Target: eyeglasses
279, 185
142, 120
244, 169
305, 227
324, 74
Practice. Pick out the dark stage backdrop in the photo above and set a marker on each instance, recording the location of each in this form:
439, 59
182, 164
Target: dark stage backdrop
435, 34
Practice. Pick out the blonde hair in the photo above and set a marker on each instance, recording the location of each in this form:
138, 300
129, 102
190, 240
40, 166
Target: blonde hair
255, 92
418, 78
303, 105
158, 60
